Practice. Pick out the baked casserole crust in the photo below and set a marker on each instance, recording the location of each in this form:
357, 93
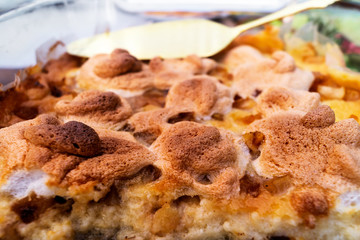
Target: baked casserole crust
258, 142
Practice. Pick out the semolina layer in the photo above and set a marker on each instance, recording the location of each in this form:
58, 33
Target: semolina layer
136, 214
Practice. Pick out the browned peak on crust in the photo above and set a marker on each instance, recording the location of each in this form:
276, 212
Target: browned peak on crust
202, 157
256, 76
321, 117
90, 101
275, 99
346, 162
147, 126
117, 63
14, 147
121, 159
95, 108
310, 203
199, 92
240, 55
310, 148
285, 63
169, 71
72, 154
202, 95
46, 119
72, 137
17, 152
160, 73
197, 148
119, 71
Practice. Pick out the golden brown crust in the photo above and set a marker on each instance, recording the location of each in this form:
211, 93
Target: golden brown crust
254, 77
72, 138
199, 91
121, 71
302, 147
201, 157
275, 99
59, 165
72, 153
170, 71
121, 159
147, 126
15, 148
116, 73
322, 117
346, 162
191, 147
202, 95
167, 173
96, 108
119, 62
240, 55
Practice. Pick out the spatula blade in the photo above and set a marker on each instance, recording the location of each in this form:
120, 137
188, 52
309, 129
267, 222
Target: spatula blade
167, 39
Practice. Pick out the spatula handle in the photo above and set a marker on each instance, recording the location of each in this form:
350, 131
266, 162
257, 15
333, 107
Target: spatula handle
287, 11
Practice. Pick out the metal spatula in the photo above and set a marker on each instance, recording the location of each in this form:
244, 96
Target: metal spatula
176, 39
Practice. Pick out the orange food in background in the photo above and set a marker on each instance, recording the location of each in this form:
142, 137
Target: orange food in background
338, 86
266, 41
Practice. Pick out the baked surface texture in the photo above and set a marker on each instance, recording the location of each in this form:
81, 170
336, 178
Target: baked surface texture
250, 144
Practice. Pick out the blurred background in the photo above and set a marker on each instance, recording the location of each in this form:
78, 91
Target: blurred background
27, 25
